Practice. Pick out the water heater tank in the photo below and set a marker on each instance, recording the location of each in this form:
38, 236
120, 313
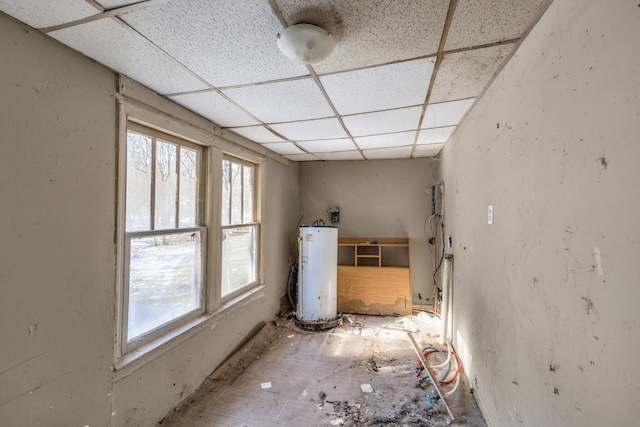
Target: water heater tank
318, 274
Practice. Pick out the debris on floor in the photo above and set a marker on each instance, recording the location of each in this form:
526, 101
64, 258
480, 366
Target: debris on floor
421, 322
322, 397
358, 374
366, 388
374, 365
351, 411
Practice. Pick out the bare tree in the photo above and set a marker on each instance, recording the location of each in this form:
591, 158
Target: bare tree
188, 164
139, 151
165, 155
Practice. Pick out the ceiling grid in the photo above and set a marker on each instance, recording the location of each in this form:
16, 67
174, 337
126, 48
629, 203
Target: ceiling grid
436, 68
400, 80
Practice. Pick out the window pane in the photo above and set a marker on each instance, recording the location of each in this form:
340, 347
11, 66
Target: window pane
138, 187
236, 193
226, 192
166, 186
247, 195
238, 258
164, 280
188, 187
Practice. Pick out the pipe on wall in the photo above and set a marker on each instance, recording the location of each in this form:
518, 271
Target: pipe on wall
446, 292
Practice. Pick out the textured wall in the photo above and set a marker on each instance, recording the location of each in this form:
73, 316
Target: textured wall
546, 299
57, 263
57, 253
377, 198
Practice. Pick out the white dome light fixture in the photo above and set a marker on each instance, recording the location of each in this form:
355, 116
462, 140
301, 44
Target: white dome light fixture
306, 43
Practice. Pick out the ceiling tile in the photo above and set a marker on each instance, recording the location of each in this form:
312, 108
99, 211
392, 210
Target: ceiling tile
42, 14
389, 153
226, 42
446, 113
388, 140
371, 32
112, 43
427, 150
435, 135
465, 74
311, 130
282, 101
478, 22
373, 78
302, 157
326, 145
341, 155
258, 134
216, 108
383, 121
284, 148
379, 88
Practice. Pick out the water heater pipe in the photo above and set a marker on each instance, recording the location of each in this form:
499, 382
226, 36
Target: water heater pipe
444, 306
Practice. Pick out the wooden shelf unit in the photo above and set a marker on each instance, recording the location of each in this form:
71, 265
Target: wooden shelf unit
374, 278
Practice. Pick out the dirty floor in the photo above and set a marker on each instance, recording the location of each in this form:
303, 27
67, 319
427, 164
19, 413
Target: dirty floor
356, 374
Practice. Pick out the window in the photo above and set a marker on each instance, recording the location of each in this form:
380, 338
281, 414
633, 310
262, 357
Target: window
239, 226
164, 238
188, 233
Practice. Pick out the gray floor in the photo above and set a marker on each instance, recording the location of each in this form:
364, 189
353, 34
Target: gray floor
302, 378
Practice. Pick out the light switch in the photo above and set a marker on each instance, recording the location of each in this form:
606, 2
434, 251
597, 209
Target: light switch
490, 217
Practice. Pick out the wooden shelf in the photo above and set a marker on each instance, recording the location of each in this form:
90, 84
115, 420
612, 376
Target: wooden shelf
349, 241
374, 278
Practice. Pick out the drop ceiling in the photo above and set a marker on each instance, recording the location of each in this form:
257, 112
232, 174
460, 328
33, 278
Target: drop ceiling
402, 76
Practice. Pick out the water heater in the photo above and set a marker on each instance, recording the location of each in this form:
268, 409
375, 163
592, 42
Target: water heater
317, 274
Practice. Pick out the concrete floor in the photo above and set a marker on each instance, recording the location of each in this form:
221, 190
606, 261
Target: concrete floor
292, 377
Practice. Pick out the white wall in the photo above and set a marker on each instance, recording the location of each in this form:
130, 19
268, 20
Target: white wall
57, 253
377, 198
546, 299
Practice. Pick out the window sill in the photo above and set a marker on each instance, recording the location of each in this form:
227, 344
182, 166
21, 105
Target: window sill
139, 357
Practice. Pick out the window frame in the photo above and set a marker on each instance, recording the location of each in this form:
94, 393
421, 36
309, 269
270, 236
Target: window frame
155, 333
255, 222
166, 137
165, 121
126, 345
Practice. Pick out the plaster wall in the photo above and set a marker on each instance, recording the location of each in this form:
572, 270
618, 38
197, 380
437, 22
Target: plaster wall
545, 299
377, 198
58, 171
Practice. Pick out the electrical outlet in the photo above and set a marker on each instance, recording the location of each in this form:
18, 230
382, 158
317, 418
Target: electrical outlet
490, 218
334, 211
